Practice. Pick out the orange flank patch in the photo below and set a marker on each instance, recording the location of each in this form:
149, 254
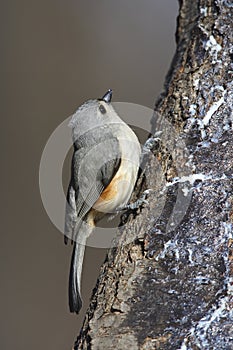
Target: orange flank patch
111, 190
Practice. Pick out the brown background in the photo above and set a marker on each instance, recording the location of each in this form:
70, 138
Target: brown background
54, 55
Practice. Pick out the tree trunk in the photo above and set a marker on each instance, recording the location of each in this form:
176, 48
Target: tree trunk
171, 286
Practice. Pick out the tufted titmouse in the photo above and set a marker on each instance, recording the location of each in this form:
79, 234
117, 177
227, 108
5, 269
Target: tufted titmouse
104, 170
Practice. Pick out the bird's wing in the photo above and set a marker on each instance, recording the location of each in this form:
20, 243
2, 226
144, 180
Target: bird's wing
71, 212
92, 170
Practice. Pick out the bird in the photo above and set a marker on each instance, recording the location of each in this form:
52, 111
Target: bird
104, 170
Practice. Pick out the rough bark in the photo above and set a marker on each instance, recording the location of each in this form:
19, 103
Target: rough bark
171, 286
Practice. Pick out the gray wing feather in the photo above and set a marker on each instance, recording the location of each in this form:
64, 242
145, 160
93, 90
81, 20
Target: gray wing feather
92, 170
71, 213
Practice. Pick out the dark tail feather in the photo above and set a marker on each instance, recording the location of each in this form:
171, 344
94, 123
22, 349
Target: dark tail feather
75, 301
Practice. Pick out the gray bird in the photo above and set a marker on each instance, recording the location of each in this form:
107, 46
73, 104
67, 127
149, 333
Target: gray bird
104, 170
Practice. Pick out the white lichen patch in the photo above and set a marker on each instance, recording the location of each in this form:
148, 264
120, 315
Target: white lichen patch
205, 121
171, 245
203, 11
211, 45
190, 256
215, 106
190, 178
193, 109
185, 191
202, 128
196, 83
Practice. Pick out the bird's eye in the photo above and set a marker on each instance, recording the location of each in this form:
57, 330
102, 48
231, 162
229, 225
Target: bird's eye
102, 109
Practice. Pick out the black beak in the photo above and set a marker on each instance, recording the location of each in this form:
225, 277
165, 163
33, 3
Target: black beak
108, 96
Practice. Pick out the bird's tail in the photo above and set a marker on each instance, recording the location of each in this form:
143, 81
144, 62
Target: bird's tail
75, 300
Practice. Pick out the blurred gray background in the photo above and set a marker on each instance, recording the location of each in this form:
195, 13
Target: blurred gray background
55, 55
